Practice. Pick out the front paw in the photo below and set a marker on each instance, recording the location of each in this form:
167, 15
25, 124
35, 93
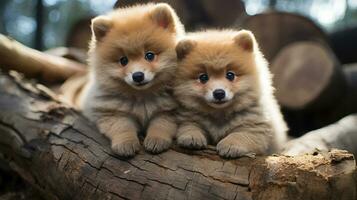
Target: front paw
231, 147
126, 147
192, 141
157, 144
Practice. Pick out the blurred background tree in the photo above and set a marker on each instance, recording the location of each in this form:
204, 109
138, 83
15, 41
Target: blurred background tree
19, 18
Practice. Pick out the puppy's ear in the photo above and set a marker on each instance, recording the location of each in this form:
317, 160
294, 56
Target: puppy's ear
100, 26
245, 40
184, 47
163, 16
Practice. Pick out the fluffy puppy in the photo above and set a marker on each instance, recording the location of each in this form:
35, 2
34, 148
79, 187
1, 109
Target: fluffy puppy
132, 63
224, 88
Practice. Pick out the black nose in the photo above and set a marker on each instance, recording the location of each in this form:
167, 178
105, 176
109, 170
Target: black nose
219, 94
138, 77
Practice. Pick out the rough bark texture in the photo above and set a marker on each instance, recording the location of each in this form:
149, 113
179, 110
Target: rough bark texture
60, 153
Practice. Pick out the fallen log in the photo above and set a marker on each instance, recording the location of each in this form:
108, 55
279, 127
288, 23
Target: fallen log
35, 64
274, 30
61, 154
342, 135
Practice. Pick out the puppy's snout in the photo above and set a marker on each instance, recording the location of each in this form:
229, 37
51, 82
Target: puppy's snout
138, 77
219, 94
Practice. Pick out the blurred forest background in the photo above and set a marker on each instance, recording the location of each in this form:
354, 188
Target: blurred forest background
311, 46
44, 24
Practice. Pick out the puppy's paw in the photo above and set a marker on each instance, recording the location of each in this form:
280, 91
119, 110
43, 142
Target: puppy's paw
126, 148
230, 147
157, 144
192, 141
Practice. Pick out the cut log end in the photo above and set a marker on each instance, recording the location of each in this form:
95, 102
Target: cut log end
303, 71
284, 28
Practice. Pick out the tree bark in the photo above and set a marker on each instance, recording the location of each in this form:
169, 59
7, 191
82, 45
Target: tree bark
61, 154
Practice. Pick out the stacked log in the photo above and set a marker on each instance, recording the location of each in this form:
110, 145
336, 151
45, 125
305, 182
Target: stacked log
307, 74
313, 88
312, 85
274, 30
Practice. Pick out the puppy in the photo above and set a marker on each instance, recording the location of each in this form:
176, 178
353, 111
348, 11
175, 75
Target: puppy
224, 89
132, 62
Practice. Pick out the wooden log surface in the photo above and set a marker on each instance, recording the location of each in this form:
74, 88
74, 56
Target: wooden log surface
61, 154
35, 64
342, 135
274, 30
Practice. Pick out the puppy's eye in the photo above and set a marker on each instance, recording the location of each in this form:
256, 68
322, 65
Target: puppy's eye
124, 61
203, 78
149, 56
230, 76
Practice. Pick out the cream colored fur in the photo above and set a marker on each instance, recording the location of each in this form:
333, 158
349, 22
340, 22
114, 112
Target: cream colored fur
120, 108
249, 120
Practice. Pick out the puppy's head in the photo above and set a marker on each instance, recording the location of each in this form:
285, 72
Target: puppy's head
217, 69
135, 46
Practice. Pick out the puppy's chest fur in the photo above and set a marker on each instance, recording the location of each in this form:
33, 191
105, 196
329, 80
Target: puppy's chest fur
141, 108
218, 125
